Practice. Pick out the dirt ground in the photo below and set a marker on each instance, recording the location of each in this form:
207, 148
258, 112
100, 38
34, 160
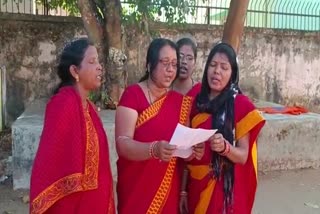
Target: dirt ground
292, 192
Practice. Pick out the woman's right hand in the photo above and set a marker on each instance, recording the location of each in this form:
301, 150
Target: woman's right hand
183, 204
164, 151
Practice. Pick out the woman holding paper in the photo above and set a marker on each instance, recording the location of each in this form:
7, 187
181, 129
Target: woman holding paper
225, 179
146, 117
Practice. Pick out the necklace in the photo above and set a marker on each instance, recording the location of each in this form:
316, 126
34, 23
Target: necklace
150, 94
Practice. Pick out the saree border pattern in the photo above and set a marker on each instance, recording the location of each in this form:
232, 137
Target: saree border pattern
150, 112
247, 123
75, 182
165, 186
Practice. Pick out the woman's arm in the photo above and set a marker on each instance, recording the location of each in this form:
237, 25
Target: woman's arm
125, 123
237, 154
128, 148
183, 203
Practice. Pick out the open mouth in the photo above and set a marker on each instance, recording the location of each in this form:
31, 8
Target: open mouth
215, 80
99, 77
183, 69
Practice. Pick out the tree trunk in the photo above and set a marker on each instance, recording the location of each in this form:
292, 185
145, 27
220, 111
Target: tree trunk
106, 32
91, 23
117, 76
235, 23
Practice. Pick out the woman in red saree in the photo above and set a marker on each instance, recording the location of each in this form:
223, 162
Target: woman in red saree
146, 117
225, 179
185, 84
71, 171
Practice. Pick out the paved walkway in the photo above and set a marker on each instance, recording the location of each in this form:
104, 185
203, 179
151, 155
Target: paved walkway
292, 192
286, 192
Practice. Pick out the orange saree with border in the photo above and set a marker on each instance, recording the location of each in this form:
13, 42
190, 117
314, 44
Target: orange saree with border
71, 171
205, 193
152, 186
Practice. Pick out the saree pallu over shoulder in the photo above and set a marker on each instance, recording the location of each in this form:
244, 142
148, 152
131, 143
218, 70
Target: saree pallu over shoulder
155, 109
194, 91
162, 192
157, 122
251, 123
59, 169
206, 194
75, 182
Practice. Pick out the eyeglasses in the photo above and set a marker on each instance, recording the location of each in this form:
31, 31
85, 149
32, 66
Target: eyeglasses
187, 57
166, 62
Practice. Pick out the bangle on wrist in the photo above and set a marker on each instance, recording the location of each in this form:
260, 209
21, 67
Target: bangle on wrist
151, 150
226, 149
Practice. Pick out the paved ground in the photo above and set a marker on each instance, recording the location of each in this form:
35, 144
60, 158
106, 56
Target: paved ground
292, 192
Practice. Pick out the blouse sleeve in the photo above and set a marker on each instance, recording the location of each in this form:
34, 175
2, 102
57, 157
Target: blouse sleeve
134, 98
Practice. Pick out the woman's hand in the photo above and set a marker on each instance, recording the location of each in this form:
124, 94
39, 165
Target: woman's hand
183, 203
198, 150
217, 143
164, 151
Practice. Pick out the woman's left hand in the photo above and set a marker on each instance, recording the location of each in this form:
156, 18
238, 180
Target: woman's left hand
198, 150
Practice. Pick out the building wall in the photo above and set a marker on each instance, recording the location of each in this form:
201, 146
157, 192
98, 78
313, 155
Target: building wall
277, 66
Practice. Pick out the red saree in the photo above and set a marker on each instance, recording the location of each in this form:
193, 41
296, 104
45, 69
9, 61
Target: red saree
206, 194
71, 171
194, 90
152, 186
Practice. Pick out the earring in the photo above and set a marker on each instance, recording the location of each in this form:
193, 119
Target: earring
77, 79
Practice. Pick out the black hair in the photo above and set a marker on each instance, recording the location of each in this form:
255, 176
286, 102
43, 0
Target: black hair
222, 110
188, 42
232, 57
72, 54
153, 52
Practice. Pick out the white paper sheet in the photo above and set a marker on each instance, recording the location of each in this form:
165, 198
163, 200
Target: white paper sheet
184, 138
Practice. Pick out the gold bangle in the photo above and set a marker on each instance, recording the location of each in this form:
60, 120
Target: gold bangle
151, 150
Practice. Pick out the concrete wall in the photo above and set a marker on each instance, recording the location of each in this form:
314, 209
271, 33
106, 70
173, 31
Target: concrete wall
28, 49
285, 142
277, 66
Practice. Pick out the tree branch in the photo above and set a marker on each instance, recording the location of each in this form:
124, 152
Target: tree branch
113, 23
90, 20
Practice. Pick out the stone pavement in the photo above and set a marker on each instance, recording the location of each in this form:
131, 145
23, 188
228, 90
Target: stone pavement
292, 192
